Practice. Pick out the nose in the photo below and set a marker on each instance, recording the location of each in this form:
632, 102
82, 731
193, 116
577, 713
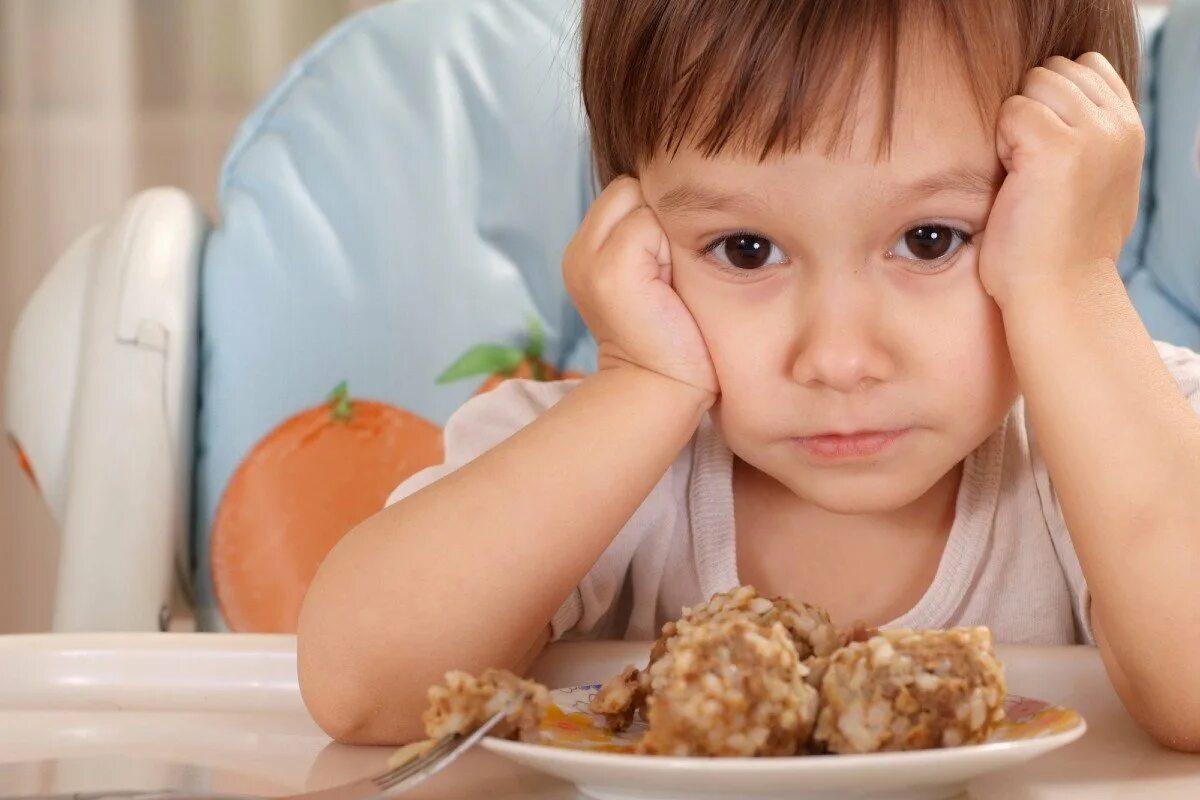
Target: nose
839, 344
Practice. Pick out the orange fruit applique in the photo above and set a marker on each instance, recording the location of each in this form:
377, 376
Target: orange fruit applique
502, 362
301, 488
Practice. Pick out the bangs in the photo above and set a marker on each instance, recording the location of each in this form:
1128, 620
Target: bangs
759, 76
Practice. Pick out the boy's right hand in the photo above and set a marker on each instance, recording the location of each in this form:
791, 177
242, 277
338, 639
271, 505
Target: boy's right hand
618, 271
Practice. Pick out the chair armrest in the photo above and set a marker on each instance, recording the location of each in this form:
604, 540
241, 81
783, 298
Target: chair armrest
101, 397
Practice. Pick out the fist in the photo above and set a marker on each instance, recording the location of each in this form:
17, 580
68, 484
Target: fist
617, 269
1072, 144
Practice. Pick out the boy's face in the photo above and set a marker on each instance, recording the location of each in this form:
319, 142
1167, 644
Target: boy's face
840, 297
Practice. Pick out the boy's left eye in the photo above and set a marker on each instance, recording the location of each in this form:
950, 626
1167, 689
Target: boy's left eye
930, 244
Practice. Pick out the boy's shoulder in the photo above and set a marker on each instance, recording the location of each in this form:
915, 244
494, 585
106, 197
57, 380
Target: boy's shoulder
484, 421
496, 414
516, 399
487, 419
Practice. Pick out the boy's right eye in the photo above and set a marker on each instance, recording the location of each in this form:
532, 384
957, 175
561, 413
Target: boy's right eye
745, 252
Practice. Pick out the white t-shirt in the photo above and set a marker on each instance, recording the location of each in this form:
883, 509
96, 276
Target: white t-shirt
1008, 562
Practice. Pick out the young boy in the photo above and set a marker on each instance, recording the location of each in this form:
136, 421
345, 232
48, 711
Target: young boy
862, 340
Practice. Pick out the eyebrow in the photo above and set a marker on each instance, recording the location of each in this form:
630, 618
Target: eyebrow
960, 180
689, 198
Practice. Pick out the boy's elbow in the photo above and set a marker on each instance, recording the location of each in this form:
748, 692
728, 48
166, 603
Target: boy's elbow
329, 696
330, 708
340, 720
1181, 735
344, 700
1173, 722
349, 712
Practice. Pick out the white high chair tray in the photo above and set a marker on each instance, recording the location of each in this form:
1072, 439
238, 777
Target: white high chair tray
222, 713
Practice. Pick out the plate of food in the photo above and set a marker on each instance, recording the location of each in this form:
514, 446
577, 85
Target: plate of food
754, 697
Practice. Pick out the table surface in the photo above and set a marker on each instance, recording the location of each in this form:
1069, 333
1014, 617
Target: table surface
222, 713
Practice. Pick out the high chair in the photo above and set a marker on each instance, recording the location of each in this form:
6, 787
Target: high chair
403, 195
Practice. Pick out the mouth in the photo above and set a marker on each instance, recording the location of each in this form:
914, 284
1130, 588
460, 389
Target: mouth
844, 446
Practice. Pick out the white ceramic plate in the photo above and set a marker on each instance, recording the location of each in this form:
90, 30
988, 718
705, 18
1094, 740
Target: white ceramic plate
580, 751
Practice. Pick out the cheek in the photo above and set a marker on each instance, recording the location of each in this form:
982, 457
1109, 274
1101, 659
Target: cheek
728, 316
971, 357
736, 343
746, 337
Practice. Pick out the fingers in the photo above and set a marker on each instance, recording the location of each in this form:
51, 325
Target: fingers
1077, 90
621, 233
1101, 66
1024, 121
1060, 94
624, 228
1090, 82
621, 197
639, 235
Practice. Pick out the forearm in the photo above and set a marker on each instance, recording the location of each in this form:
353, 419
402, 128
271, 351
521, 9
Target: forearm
467, 572
1123, 450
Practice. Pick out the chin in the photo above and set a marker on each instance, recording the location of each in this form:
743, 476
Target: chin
866, 492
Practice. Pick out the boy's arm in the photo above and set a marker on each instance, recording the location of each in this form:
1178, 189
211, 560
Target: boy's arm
1122, 446
467, 572
1120, 442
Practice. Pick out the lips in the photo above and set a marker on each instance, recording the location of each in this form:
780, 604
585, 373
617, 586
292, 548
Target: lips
856, 444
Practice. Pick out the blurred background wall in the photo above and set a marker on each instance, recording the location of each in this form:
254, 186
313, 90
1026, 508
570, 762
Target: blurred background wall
98, 99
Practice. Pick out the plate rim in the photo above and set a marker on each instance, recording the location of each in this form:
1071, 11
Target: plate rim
913, 758
813, 763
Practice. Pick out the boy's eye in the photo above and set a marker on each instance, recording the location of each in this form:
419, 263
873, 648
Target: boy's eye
746, 251
929, 243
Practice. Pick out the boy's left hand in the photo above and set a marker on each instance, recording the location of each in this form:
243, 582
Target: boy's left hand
1072, 143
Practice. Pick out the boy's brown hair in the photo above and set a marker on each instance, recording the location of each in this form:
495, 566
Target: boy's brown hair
760, 75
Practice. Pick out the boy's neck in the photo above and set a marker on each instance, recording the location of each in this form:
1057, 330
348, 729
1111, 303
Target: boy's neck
869, 567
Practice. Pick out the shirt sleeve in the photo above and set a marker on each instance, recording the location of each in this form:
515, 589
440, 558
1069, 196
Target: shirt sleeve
483, 422
1184, 366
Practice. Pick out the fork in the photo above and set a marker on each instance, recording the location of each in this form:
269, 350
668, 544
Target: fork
389, 783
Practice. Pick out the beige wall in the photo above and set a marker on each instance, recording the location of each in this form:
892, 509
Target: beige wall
99, 98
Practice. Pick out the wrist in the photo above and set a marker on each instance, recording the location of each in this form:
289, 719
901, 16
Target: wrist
664, 388
1060, 293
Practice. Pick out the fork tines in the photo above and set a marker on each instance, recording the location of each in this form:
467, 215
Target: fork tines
403, 772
